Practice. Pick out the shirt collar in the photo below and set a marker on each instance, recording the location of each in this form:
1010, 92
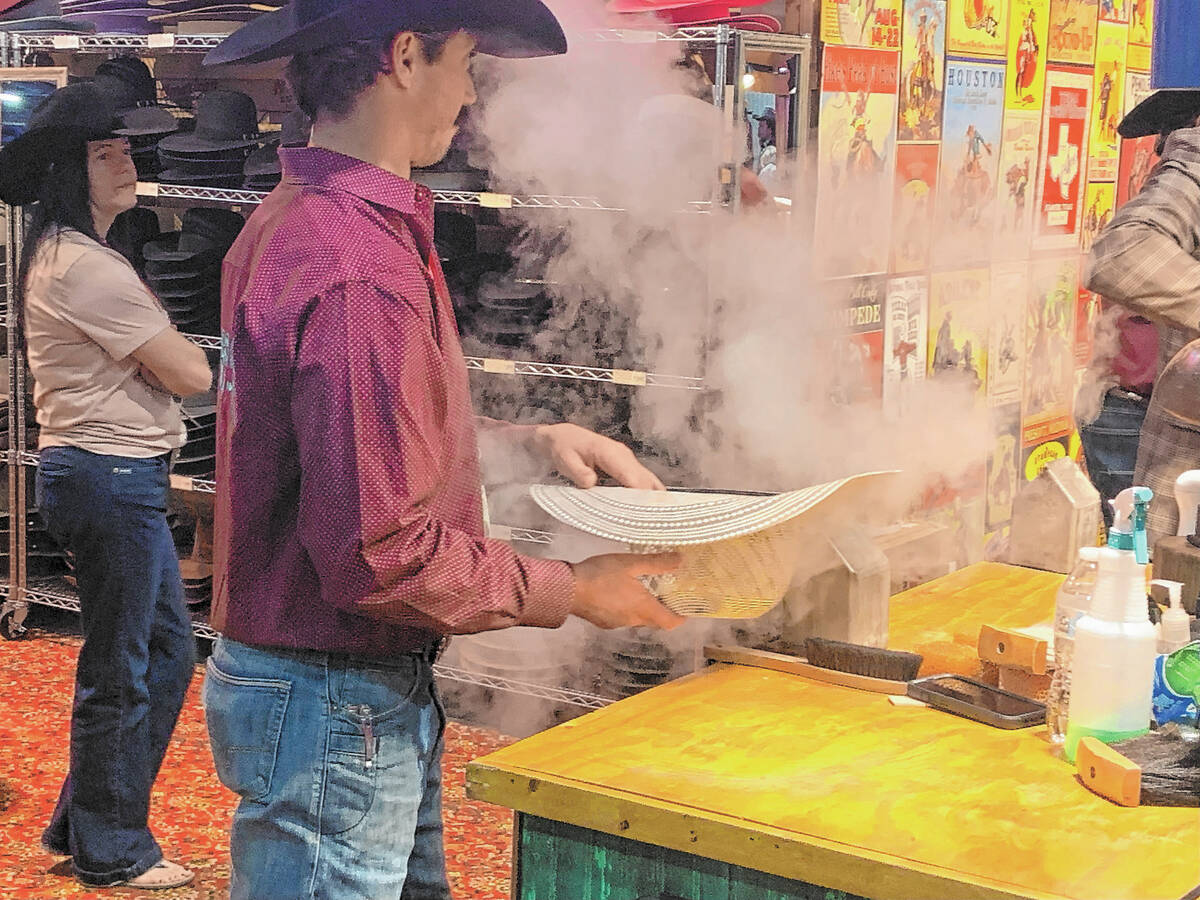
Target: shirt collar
319, 167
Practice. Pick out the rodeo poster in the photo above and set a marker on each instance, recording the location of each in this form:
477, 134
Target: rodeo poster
906, 324
856, 151
913, 206
1029, 24
977, 27
1063, 159
1015, 186
958, 329
922, 66
1050, 347
1072, 35
861, 23
970, 161
1006, 333
1107, 91
1141, 27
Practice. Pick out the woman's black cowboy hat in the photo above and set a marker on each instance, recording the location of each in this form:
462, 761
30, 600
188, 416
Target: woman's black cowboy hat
61, 126
509, 28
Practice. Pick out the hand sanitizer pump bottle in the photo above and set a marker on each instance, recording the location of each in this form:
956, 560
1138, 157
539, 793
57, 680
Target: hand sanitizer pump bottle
1115, 643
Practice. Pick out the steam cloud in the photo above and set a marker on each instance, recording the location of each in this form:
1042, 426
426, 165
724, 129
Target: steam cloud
734, 298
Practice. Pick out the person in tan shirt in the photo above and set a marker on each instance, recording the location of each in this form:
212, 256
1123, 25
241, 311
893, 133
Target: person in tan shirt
108, 372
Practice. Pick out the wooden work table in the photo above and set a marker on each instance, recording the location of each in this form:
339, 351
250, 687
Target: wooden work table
740, 783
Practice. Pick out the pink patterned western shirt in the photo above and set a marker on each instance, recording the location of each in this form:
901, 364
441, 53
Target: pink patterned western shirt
348, 512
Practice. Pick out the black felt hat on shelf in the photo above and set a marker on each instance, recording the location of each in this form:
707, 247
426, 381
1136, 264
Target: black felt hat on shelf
263, 168
130, 232
184, 269
214, 153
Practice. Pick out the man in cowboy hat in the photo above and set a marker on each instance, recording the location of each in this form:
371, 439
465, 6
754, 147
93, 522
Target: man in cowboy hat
1147, 260
349, 529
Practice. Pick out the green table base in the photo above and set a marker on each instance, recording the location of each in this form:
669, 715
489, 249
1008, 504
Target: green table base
556, 861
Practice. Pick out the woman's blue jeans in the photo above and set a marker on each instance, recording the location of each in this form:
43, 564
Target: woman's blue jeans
337, 761
137, 657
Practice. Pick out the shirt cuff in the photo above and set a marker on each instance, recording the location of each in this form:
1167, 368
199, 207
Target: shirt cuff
551, 592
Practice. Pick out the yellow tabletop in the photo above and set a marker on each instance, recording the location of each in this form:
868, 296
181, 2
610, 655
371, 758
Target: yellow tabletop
941, 619
840, 788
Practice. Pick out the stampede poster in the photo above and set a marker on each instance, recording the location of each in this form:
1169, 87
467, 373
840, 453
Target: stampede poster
1050, 349
856, 345
856, 144
913, 206
922, 71
905, 326
970, 159
1062, 159
1002, 464
1098, 203
1028, 27
1015, 185
861, 23
1141, 27
1072, 37
1006, 333
1137, 154
1106, 101
976, 27
958, 329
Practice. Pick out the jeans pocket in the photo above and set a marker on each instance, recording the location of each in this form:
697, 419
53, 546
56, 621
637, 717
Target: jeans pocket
245, 722
373, 731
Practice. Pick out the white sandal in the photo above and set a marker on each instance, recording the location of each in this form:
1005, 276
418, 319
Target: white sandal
160, 877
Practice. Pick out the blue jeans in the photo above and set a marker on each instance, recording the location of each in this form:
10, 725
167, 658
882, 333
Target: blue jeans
337, 762
137, 658
1110, 445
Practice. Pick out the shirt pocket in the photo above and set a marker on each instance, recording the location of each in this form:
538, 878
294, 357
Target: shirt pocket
245, 724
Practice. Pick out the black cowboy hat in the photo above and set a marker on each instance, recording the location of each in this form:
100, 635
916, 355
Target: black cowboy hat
510, 28
61, 126
1161, 111
225, 120
41, 15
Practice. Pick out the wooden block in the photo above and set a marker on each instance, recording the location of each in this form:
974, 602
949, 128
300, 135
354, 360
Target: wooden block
1009, 647
989, 673
904, 700
1106, 772
1035, 687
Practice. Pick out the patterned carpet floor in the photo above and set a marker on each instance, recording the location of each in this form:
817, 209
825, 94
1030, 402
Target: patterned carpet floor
191, 810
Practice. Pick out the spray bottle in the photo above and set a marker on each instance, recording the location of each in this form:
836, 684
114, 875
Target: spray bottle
1115, 643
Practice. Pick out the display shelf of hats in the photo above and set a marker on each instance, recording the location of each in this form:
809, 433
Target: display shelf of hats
106, 43
61, 594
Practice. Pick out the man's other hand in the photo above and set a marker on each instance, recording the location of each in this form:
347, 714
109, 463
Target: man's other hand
580, 455
609, 595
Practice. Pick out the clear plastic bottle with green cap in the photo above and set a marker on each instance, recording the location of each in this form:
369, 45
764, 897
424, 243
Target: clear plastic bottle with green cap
1112, 677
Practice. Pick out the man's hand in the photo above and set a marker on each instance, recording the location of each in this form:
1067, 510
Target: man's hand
579, 454
608, 594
